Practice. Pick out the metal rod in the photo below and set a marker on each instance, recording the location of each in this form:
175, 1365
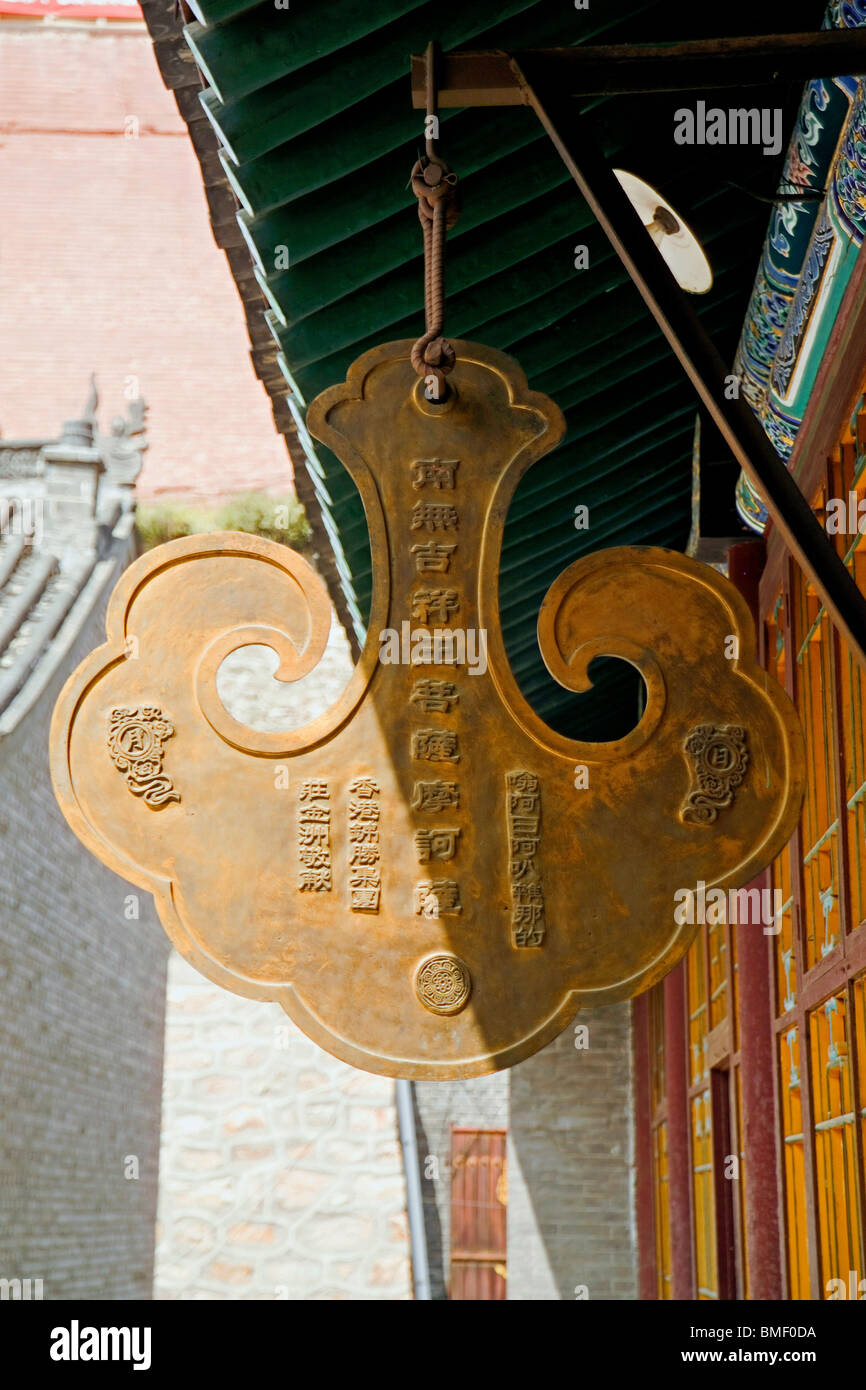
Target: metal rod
431, 60
486, 79
791, 513
414, 1198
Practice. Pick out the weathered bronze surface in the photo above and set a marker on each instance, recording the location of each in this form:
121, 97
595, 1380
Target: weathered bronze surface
444, 879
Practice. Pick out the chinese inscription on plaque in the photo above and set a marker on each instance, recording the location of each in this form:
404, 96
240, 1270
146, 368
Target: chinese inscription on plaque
314, 842
523, 806
365, 877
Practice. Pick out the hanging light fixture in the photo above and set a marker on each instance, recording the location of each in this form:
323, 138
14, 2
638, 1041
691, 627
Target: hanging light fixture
676, 241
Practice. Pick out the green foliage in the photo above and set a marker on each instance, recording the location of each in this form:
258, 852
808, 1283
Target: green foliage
164, 521
280, 519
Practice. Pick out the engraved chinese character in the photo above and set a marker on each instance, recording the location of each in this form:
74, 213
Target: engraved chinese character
437, 898
315, 858
528, 914
523, 792
363, 811
364, 899
310, 833
519, 868
315, 813
438, 473
435, 844
434, 516
524, 825
527, 893
524, 847
432, 557
528, 936
523, 781
314, 790
365, 876
441, 603
435, 796
364, 787
435, 697
315, 880
363, 833
364, 853
436, 745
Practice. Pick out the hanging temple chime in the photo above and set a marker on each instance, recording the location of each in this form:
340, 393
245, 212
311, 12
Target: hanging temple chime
445, 880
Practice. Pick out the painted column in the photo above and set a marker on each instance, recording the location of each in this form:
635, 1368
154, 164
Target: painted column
643, 1157
679, 1166
760, 1138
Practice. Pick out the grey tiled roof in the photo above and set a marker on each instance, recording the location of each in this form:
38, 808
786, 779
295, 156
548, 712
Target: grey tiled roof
67, 514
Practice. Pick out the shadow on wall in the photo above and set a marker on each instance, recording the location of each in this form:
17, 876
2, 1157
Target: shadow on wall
570, 1192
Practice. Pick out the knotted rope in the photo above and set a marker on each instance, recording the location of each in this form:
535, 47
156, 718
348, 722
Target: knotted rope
434, 185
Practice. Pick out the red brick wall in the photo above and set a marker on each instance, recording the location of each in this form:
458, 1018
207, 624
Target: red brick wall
107, 263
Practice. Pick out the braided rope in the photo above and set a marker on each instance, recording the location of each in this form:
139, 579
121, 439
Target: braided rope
434, 186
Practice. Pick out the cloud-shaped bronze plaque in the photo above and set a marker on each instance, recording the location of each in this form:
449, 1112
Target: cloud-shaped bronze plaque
427, 878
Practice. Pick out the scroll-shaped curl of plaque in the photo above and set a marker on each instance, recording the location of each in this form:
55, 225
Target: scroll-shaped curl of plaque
436, 892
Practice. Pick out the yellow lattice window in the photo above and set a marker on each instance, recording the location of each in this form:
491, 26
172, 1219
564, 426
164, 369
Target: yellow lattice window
836, 1177
820, 821
780, 871
716, 948
741, 1184
793, 1139
704, 1197
658, 1121
859, 996
697, 996
662, 1211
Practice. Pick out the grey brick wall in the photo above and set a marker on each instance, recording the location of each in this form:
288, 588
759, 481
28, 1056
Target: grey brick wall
82, 992
570, 1161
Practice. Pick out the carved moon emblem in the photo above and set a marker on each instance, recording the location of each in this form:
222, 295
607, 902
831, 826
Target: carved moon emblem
720, 757
135, 743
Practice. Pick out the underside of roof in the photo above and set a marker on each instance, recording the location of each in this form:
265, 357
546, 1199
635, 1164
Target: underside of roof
305, 114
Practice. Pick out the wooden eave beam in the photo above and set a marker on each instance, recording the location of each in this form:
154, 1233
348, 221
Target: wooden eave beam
803, 534
487, 78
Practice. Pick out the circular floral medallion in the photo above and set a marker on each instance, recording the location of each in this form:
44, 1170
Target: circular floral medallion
443, 984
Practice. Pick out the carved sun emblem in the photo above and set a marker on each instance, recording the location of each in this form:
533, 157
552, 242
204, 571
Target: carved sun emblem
443, 984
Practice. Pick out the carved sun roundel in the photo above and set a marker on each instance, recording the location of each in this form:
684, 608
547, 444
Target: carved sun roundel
443, 984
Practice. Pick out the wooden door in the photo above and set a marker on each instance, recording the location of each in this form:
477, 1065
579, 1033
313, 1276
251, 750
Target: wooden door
478, 1213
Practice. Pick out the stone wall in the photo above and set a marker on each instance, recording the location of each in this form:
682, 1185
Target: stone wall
570, 1165
281, 1171
82, 990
